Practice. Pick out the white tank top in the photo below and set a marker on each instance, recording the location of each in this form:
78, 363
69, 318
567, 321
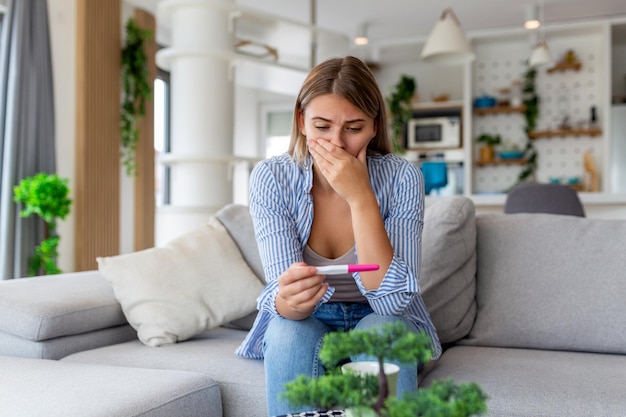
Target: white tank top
346, 290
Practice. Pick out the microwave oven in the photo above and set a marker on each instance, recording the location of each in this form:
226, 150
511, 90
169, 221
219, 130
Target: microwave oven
440, 132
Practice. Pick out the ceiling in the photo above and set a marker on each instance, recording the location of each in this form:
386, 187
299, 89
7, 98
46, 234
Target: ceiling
389, 19
397, 22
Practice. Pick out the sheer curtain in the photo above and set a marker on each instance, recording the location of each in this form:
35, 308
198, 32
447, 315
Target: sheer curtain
26, 124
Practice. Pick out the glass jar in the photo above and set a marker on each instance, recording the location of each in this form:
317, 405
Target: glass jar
516, 93
504, 97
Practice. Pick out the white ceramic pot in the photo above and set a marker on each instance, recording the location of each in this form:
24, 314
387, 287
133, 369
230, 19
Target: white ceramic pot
371, 367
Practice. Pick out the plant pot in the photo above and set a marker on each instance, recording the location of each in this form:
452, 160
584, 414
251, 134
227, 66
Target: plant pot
371, 367
360, 412
486, 154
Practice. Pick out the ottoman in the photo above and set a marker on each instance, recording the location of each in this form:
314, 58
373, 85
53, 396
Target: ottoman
40, 387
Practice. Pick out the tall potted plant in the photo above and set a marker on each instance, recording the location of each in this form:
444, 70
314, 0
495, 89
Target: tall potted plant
367, 395
46, 196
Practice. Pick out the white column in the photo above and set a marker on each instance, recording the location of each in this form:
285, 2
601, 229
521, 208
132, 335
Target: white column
202, 97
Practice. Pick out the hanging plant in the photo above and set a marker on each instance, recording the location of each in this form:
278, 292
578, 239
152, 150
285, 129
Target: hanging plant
47, 196
136, 89
531, 101
400, 108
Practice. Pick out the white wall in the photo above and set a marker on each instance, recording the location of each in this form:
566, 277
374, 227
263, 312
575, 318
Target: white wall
62, 19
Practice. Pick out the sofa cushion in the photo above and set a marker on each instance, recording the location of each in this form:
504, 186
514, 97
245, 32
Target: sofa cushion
529, 382
195, 282
448, 265
35, 387
237, 220
550, 281
47, 307
212, 353
58, 347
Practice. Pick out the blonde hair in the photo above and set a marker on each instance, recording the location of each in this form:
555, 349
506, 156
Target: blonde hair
351, 79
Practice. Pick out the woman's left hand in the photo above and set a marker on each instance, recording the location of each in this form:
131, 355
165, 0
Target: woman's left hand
346, 174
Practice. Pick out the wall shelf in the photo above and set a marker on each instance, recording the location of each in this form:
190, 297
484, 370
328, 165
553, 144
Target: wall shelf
482, 111
565, 66
499, 162
564, 132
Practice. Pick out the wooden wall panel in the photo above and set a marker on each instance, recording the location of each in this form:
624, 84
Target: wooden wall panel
97, 194
144, 216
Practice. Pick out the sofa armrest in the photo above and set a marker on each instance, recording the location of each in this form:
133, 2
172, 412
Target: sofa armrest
41, 309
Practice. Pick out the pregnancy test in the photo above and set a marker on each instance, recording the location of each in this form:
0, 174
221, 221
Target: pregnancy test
345, 269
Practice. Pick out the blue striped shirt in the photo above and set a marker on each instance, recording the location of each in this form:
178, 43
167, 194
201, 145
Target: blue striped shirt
281, 206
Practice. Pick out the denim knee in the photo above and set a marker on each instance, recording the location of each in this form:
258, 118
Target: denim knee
291, 348
375, 320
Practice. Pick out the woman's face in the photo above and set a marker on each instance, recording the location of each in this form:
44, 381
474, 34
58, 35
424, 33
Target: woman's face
338, 121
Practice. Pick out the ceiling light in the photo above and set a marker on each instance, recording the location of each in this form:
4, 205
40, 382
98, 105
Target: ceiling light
532, 17
447, 44
361, 35
540, 56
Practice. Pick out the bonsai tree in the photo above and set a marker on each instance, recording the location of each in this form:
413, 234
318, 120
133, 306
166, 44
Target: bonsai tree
400, 109
355, 391
44, 195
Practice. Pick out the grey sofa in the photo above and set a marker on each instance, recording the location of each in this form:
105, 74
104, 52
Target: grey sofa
530, 306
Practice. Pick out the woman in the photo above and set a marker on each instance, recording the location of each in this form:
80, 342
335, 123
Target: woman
338, 196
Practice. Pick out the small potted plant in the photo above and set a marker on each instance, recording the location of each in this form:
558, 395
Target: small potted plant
47, 196
365, 395
487, 151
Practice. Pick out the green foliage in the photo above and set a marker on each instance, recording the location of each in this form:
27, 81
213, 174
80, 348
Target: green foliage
136, 89
531, 101
441, 399
399, 103
333, 390
46, 196
45, 257
392, 342
489, 140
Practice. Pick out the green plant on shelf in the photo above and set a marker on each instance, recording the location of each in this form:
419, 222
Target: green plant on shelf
46, 196
489, 140
368, 394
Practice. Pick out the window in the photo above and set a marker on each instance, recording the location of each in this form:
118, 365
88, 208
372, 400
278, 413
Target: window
162, 143
277, 132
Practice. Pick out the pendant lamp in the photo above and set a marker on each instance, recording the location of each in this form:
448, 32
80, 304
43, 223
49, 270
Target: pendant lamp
532, 17
361, 35
447, 43
540, 56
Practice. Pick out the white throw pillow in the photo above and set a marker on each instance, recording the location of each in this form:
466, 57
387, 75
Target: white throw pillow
195, 282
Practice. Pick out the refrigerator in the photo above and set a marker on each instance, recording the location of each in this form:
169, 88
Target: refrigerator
618, 148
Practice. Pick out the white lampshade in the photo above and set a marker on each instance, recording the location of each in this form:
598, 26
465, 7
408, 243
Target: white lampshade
447, 43
540, 56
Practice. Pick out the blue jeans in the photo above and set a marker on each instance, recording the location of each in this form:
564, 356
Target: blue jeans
291, 348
